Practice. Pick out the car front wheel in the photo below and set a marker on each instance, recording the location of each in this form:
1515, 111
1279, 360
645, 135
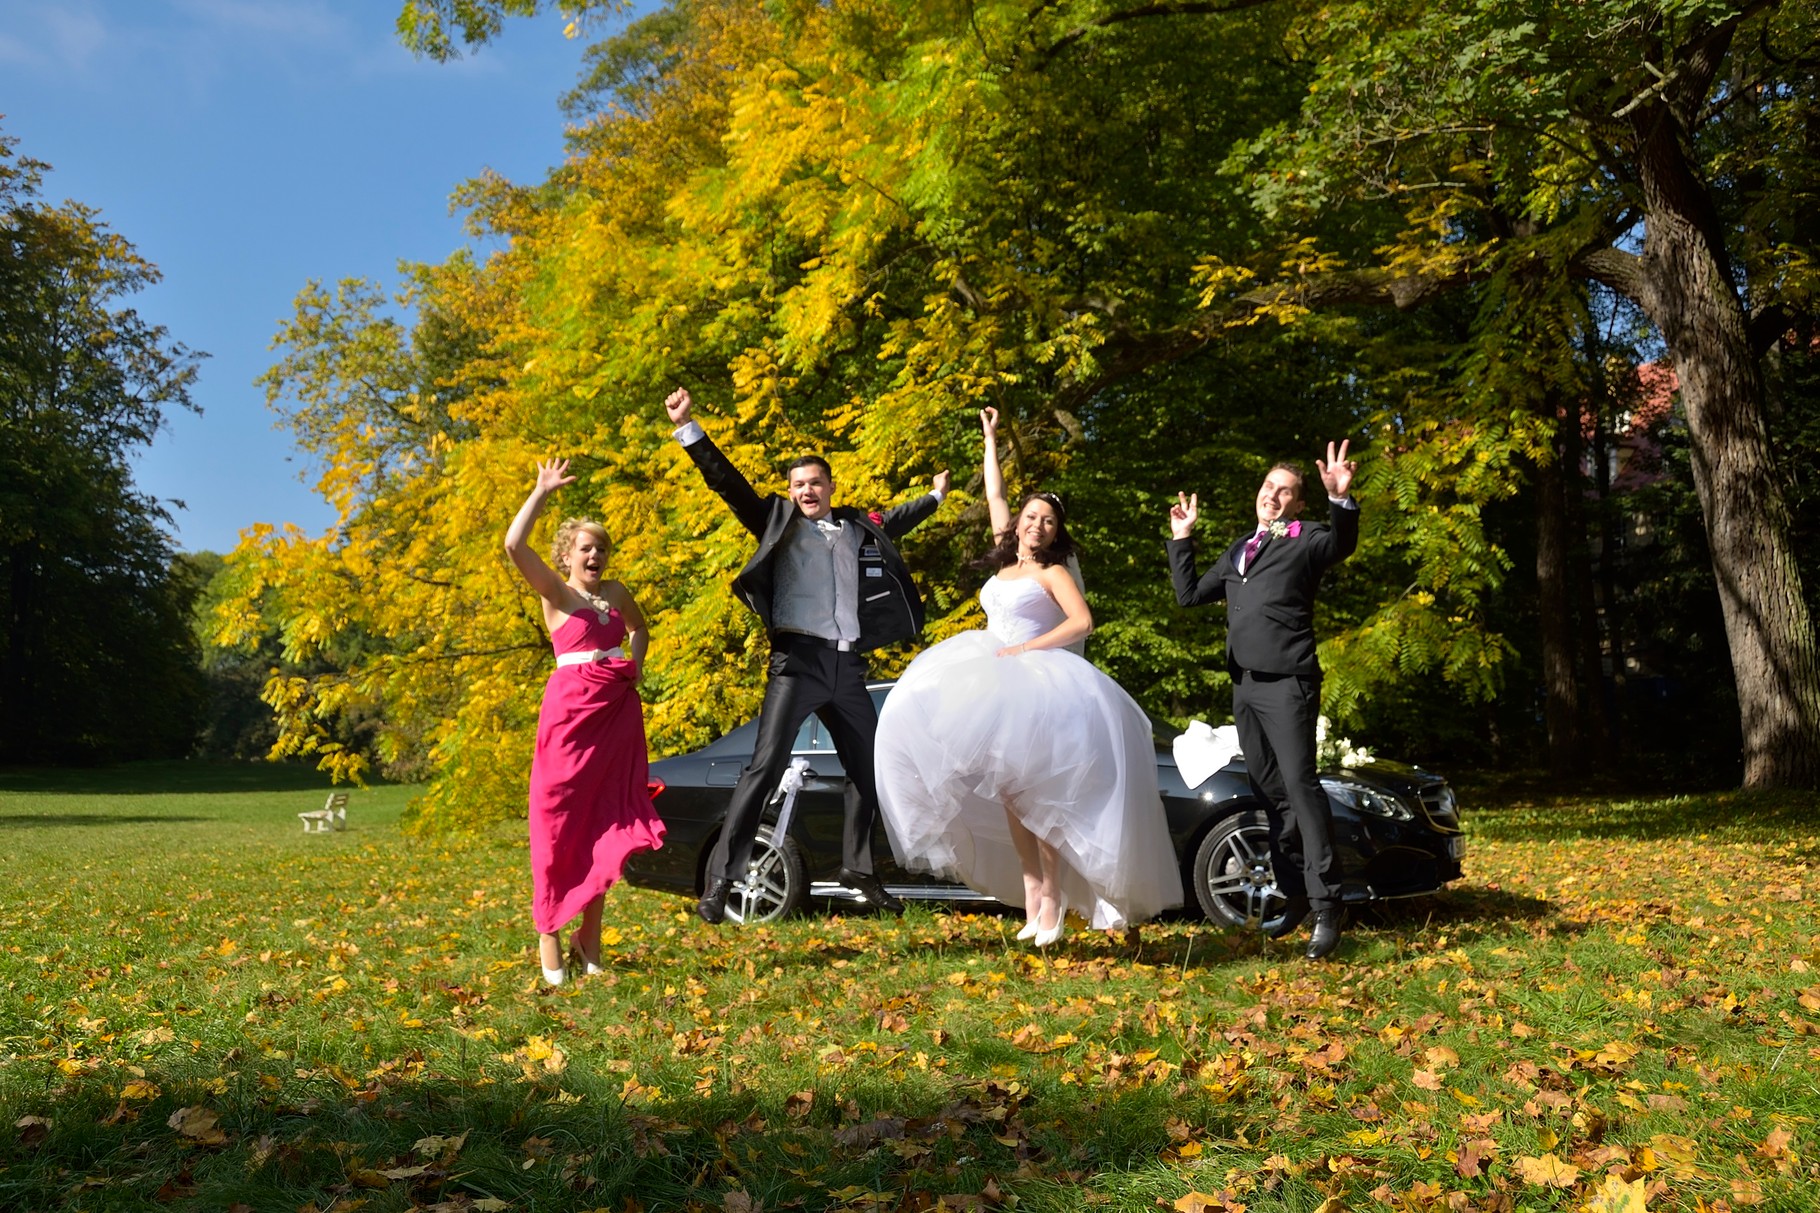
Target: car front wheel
777, 883
1235, 882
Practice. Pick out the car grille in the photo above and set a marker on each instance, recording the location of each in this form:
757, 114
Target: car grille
1441, 806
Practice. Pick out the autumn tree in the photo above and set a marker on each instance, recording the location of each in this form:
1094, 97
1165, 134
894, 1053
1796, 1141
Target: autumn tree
849, 226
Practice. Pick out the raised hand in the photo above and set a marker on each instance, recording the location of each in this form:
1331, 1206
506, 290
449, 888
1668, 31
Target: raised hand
553, 475
942, 479
1336, 472
989, 421
1183, 515
679, 406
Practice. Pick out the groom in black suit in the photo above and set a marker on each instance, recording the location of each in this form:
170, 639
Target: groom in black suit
829, 586
1268, 580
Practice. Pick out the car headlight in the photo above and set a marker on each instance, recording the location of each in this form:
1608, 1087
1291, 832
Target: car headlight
1362, 798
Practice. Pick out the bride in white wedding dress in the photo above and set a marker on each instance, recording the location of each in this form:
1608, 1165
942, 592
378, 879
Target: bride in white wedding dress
1013, 765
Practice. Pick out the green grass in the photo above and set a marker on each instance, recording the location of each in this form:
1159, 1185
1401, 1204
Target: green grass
1621, 988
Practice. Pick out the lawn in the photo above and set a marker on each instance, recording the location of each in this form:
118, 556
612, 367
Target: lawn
202, 1008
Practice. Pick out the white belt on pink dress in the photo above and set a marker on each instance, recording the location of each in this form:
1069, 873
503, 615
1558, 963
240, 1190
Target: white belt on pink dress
586, 656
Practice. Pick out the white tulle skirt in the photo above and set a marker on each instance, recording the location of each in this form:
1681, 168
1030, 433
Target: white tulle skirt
967, 732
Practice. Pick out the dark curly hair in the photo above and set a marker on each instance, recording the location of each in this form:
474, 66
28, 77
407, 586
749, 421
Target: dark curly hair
1058, 550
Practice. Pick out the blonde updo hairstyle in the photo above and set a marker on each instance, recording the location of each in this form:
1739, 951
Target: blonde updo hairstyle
565, 541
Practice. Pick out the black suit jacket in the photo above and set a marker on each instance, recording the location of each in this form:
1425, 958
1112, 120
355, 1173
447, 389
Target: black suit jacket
890, 609
1270, 607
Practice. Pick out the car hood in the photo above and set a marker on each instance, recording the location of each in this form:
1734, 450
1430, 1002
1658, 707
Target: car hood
1396, 777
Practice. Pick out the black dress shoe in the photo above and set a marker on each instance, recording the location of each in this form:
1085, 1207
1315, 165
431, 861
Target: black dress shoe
1326, 936
713, 904
869, 888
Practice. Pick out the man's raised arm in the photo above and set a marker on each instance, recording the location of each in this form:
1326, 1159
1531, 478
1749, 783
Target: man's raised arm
1190, 589
1342, 510
899, 519
716, 469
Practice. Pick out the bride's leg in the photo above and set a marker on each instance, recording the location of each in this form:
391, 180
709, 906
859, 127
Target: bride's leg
549, 952
1029, 859
587, 938
1051, 866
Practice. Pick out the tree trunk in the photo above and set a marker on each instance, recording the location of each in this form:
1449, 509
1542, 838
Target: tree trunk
1560, 689
16, 710
1684, 285
1596, 729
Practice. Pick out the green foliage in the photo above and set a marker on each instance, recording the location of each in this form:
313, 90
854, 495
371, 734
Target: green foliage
432, 27
1650, 148
94, 614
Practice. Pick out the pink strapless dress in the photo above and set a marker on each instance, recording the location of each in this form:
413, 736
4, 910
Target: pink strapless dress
590, 806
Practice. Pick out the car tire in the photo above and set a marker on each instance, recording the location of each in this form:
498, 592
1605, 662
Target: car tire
783, 882
1235, 882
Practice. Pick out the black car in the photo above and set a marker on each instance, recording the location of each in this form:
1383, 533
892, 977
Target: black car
1396, 831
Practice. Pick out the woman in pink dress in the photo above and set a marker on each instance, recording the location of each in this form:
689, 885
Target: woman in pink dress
590, 805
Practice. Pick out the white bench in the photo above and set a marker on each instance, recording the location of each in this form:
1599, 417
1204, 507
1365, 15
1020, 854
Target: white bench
333, 815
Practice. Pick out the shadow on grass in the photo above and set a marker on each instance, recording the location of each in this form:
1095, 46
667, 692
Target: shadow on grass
593, 1139
1464, 912
36, 821
174, 777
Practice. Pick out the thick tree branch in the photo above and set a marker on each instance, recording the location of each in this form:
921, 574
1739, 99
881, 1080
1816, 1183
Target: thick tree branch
1615, 268
1771, 324
1126, 354
1702, 57
1369, 286
1181, 8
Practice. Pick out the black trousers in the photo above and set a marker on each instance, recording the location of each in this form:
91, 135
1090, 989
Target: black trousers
1275, 715
806, 677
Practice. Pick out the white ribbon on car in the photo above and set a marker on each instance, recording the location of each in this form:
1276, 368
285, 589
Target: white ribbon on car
792, 781
585, 656
1203, 749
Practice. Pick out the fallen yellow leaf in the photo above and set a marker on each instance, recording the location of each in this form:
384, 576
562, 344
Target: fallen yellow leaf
1548, 1171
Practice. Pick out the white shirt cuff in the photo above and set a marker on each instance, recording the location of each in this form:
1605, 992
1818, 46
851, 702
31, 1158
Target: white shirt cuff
1345, 503
689, 432
938, 495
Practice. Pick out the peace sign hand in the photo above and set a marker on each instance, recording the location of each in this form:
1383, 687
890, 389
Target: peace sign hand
1183, 515
1336, 473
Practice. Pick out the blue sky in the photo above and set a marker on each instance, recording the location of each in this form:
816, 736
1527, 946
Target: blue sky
245, 147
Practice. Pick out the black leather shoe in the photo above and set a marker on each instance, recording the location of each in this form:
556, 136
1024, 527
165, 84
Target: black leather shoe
1326, 936
713, 904
869, 888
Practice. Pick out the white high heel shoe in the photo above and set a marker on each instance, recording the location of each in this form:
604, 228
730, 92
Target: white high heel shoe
580, 964
1030, 929
1047, 935
560, 973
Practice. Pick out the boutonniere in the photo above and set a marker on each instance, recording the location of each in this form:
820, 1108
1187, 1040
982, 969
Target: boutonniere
1285, 530
877, 518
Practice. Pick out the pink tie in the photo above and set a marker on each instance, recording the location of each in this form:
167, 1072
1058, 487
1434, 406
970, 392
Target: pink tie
1251, 551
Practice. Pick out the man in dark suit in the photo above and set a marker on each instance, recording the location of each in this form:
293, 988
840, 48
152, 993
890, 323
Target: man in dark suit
829, 586
1268, 580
